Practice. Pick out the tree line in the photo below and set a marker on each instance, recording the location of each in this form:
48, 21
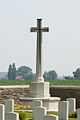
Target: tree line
26, 73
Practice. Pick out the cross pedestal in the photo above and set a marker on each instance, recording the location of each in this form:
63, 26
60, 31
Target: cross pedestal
39, 89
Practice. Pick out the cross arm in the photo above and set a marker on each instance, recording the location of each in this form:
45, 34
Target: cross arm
33, 29
45, 29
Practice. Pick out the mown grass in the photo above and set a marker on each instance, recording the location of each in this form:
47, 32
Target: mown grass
15, 82
65, 82
29, 115
52, 82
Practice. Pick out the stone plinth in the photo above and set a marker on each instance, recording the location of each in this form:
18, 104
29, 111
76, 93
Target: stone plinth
51, 103
39, 89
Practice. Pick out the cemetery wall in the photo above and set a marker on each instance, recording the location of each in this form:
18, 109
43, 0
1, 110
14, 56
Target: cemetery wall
10, 92
66, 92
13, 92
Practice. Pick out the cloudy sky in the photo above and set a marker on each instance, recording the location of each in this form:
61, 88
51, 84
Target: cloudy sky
61, 45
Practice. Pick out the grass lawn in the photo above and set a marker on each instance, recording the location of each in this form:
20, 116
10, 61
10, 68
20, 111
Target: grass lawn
65, 82
15, 82
29, 115
52, 82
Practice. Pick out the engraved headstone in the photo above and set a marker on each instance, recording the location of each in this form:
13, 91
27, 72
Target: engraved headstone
63, 110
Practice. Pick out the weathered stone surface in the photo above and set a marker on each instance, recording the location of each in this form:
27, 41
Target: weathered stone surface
13, 93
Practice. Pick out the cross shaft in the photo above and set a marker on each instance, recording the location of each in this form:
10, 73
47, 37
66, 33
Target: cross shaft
39, 31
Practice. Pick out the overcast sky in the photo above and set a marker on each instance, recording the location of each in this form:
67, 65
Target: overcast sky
61, 45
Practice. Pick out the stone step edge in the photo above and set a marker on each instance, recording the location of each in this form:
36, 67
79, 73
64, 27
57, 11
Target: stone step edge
15, 86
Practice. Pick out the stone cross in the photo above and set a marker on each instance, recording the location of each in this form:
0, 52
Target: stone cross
39, 31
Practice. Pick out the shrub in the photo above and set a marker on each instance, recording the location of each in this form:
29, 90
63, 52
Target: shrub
73, 115
22, 115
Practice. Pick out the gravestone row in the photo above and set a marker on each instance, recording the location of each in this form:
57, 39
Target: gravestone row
7, 111
65, 107
40, 112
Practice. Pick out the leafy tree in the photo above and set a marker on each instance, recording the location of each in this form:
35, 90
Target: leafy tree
25, 72
68, 77
77, 74
45, 75
50, 75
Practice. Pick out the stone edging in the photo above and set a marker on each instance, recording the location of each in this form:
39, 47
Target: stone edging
15, 86
63, 86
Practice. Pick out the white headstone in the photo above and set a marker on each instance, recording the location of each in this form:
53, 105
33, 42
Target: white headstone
2, 112
63, 110
39, 113
78, 114
36, 103
50, 117
72, 104
12, 116
9, 105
